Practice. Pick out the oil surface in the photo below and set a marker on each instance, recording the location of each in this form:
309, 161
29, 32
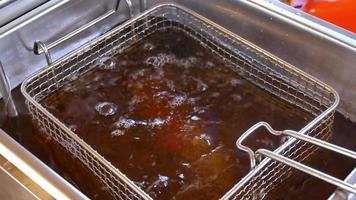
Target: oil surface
167, 113
302, 187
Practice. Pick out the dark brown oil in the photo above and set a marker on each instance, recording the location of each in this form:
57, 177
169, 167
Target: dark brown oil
167, 113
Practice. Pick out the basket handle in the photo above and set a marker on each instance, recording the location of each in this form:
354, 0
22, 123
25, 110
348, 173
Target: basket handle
40, 47
287, 161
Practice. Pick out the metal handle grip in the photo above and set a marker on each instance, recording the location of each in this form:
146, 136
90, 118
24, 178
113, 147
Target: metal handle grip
308, 170
275, 156
38, 46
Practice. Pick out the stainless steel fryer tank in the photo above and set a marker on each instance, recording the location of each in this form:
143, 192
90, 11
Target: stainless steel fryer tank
237, 17
249, 61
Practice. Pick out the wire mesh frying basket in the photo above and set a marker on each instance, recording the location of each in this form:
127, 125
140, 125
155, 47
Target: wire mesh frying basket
250, 62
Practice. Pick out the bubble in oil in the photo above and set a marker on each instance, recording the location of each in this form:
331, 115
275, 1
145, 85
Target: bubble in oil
157, 122
215, 95
106, 108
187, 62
73, 77
159, 184
177, 101
234, 82
201, 86
73, 127
194, 118
171, 85
186, 165
160, 60
204, 137
193, 100
68, 88
125, 123
236, 97
141, 184
137, 74
107, 63
181, 176
192, 59
210, 65
117, 132
148, 46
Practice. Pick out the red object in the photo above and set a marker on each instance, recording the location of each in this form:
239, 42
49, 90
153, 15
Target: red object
339, 12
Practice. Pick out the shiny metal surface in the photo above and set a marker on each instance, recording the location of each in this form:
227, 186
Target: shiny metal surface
300, 136
11, 189
342, 195
12, 9
4, 3
40, 47
308, 170
5, 91
47, 23
293, 134
45, 177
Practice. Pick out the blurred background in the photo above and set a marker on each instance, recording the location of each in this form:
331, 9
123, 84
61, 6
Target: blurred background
339, 12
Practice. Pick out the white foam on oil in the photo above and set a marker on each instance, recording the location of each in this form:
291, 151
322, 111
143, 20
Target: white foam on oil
124, 123
210, 65
107, 63
160, 183
234, 82
157, 122
194, 118
160, 60
138, 74
178, 101
117, 132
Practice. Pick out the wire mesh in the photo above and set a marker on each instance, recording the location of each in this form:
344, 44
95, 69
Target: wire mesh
250, 62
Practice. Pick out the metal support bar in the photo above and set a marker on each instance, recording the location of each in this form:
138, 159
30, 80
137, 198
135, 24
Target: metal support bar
143, 5
5, 90
246, 134
39, 51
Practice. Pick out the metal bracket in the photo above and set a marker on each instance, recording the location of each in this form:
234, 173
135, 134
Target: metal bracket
250, 152
40, 47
